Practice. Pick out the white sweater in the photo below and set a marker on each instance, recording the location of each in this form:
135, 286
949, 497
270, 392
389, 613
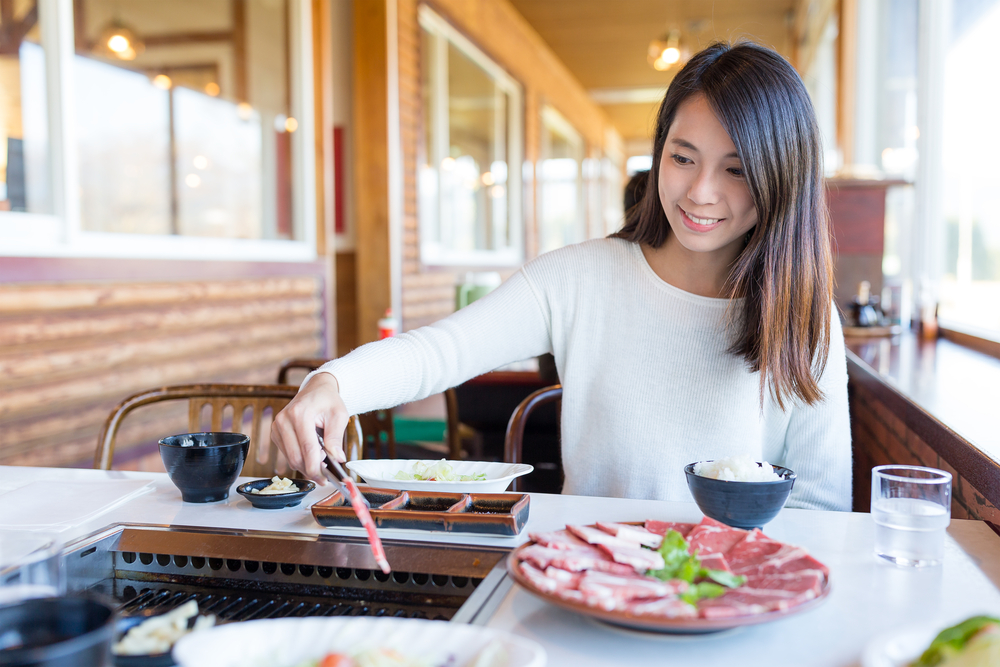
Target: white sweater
648, 385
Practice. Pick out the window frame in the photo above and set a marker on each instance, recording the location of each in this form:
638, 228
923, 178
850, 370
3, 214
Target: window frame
433, 253
60, 234
550, 120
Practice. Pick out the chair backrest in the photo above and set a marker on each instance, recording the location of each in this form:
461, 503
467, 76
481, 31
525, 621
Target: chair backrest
378, 425
514, 439
304, 364
262, 459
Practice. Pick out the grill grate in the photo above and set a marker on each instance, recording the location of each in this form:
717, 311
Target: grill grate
256, 576
243, 607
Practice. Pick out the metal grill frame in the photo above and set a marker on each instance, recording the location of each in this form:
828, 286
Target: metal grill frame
283, 574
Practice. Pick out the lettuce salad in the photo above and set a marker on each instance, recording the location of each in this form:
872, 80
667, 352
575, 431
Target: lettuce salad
437, 472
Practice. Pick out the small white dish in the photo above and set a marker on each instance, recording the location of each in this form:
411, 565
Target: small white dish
382, 472
286, 642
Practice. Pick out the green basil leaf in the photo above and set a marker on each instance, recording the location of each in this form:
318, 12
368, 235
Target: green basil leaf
727, 579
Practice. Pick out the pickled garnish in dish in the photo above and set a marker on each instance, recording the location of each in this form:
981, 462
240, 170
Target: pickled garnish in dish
277, 486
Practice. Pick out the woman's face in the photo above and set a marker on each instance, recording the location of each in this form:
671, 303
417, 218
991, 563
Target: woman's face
702, 188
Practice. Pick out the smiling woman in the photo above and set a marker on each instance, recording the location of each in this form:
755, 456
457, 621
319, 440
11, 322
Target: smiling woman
737, 137
703, 330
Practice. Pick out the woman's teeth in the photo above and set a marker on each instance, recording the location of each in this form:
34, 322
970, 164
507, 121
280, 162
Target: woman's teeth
702, 221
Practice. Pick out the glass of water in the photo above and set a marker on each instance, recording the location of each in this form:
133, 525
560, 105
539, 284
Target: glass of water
911, 506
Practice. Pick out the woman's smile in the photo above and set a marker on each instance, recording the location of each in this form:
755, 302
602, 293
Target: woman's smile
699, 224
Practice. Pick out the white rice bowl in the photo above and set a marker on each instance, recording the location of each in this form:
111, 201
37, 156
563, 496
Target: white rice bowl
737, 469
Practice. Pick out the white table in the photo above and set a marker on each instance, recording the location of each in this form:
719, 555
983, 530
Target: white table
867, 598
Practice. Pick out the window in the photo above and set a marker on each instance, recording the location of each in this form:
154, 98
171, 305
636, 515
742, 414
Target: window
970, 285
560, 183
469, 181
179, 134
24, 131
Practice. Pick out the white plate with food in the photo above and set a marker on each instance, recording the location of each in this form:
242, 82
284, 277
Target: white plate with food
972, 642
440, 475
386, 642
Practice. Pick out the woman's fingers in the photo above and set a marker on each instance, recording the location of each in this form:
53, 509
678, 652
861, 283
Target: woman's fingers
294, 430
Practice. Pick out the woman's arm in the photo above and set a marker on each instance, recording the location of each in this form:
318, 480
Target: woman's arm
509, 324
818, 438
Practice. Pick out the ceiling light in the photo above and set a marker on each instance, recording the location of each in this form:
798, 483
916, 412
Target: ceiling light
119, 41
666, 51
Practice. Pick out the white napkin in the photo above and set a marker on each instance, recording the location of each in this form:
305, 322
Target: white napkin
56, 504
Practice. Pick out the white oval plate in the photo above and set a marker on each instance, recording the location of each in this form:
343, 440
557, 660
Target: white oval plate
286, 642
381, 473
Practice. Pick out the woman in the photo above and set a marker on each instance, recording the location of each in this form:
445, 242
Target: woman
703, 329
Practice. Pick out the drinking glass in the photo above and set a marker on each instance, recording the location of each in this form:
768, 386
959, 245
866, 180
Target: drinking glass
911, 506
30, 566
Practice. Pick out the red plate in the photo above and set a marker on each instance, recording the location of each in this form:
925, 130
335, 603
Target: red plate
651, 623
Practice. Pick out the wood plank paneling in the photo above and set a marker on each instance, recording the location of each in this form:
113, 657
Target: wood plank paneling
70, 351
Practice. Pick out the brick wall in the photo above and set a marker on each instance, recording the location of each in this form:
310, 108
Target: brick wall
881, 437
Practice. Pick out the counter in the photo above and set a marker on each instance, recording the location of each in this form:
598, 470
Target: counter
867, 597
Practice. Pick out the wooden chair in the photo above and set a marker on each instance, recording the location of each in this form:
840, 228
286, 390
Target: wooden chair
513, 441
262, 459
378, 425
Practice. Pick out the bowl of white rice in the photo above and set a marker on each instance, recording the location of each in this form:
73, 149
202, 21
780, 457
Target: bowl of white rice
739, 491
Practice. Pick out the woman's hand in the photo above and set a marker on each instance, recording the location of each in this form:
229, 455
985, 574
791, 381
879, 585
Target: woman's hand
317, 407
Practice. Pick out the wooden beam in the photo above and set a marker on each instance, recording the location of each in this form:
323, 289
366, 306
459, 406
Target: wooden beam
323, 113
12, 32
239, 37
847, 78
371, 171
193, 37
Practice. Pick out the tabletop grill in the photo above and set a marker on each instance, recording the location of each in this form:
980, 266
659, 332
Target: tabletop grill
244, 575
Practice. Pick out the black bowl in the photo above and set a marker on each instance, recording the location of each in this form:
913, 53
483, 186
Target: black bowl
204, 465
56, 632
740, 504
275, 501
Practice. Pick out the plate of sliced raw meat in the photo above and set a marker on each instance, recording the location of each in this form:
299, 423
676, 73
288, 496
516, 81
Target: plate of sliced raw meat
670, 577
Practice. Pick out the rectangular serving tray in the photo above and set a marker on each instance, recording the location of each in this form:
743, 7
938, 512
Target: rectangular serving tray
485, 513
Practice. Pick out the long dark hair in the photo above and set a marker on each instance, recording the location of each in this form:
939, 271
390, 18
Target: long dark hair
784, 274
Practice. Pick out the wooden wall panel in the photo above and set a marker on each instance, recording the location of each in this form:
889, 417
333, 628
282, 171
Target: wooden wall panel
69, 352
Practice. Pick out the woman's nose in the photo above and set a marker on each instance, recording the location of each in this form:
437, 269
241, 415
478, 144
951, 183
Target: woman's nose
704, 190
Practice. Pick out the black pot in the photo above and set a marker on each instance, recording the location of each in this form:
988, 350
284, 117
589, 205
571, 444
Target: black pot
56, 632
204, 465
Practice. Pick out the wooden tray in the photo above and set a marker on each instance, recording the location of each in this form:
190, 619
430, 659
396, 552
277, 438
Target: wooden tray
485, 513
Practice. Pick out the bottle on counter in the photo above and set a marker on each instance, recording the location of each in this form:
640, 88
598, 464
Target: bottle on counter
865, 307
388, 326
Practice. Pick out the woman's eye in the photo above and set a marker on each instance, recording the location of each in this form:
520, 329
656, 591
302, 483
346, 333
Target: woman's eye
736, 171
680, 159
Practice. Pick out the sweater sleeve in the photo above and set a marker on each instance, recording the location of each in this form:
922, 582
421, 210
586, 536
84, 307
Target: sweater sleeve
509, 324
818, 438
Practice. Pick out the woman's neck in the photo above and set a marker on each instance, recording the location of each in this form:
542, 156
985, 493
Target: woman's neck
703, 274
